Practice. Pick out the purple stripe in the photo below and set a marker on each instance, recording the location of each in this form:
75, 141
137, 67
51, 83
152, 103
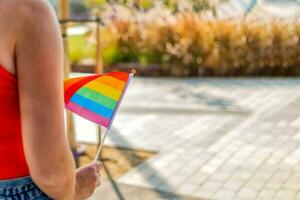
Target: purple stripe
87, 114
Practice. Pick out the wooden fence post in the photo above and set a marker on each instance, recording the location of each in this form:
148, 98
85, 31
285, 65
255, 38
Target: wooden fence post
64, 14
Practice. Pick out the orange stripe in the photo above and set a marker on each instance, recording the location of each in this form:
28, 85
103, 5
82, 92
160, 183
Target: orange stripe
69, 82
112, 82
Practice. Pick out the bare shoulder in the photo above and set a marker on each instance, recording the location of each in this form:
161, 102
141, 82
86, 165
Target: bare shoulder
34, 10
17, 14
20, 20
28, 12
40, 32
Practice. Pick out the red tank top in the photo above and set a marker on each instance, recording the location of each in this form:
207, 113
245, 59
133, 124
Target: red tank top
12, 159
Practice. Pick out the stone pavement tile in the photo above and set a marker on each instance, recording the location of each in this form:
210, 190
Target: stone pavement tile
296, 168
210, 187
199, 177
241, 154
224, 194
228, 168
234, 184
219, 177
191, 96
203, 194
273, 184
250, 165
217, 161
210, 169
186, 172
225, 154
266, 194
174, 181
248, 148
296, 153
297, 134
293, 182
296, 122
258, 180
155, 181
285, 194
187, 188
242, 175
297, 196
196, 163
247, 192
165, 140
278, 179
262, 176
261, 156
255, 184
284, 165
237, 161
211, 153
164, 188
267, 168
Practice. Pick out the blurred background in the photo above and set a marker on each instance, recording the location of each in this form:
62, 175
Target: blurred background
214, 112
191, 37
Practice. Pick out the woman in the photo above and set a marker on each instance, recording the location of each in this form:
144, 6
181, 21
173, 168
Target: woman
35, 161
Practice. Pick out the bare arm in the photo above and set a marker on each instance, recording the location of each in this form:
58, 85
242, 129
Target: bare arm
39, 62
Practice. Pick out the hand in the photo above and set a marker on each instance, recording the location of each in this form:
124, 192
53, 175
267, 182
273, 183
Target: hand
87, 180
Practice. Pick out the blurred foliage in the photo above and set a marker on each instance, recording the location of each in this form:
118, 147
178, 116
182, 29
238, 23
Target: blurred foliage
79, 48
186, 41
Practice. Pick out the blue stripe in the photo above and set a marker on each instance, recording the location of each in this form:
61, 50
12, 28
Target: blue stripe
92, 106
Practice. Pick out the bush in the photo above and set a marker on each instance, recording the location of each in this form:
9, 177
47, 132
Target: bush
185, 42
227, 46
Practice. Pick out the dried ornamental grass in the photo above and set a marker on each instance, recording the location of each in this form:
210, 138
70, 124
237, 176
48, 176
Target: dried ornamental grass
186, 41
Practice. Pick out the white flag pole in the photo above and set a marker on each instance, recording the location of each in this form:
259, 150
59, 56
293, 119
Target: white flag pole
115, 112
101, 145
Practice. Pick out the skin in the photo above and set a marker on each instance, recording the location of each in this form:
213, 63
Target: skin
31, 49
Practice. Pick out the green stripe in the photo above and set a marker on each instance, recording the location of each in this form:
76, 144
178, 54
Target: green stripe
97, 97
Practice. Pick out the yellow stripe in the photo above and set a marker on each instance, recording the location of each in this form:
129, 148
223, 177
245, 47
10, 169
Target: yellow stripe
104, 89
112, 82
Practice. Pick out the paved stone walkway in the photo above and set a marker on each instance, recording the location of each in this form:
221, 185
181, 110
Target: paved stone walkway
215, 138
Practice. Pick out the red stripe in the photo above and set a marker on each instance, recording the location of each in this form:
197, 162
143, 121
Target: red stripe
77, 85
72, 88
123, 76
68, 83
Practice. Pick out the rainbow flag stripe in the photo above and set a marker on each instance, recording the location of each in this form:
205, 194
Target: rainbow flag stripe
97, 97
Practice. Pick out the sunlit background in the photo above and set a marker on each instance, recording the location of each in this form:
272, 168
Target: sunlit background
214, 111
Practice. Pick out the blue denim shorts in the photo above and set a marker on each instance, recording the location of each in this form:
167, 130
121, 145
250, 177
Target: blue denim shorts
20, 189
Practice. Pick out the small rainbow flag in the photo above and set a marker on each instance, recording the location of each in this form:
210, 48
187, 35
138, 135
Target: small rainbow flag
97, 97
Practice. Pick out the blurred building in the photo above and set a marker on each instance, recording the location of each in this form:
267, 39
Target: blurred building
259, 9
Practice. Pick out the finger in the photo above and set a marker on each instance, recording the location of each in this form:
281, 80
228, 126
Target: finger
98, 166
97, 180
98, 183
98, 175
